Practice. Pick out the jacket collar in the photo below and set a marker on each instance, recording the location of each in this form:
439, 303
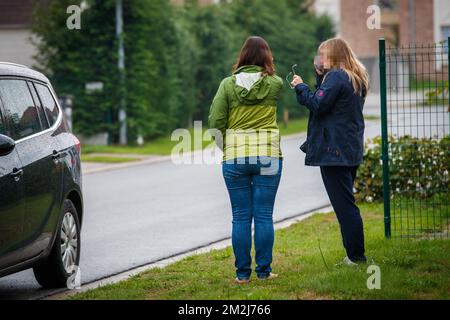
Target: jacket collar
249, 69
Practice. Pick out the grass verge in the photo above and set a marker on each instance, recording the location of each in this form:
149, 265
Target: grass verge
107, 159
294, 126
410, 269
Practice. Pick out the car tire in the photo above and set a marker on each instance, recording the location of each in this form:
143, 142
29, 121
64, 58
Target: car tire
55, 270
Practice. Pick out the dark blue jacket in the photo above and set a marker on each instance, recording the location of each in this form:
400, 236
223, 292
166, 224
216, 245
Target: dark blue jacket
336, 123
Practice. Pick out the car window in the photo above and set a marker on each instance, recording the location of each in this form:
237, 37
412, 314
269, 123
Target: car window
19, 107
40, 109
49, 104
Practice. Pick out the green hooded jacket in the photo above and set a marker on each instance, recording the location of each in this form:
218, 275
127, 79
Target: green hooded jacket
244, 110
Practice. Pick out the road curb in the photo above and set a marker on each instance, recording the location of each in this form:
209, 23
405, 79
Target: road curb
60, 294
113, 167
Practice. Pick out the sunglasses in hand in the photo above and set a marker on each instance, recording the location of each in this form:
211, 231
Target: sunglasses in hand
291, 75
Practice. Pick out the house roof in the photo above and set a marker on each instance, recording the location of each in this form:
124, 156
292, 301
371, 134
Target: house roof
16, 13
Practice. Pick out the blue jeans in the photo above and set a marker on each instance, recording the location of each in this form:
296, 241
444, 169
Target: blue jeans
252, 184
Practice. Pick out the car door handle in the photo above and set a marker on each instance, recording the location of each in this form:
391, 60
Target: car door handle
56, 155
16, 174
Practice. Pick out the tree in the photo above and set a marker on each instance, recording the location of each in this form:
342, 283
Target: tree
175, 56
217, 40
293, 34
72, 58
150, 40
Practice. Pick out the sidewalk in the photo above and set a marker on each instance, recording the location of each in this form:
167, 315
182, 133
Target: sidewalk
372, 105
94, 167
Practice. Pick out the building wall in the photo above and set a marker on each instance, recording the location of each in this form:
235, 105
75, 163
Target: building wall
354, 28
16, 46
332, 9
441, 19
442, 31
416, 22
15, 24
363, 41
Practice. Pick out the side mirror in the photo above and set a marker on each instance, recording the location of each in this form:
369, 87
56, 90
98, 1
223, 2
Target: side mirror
7, 145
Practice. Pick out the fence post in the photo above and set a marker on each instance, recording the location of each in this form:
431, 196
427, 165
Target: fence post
384, 140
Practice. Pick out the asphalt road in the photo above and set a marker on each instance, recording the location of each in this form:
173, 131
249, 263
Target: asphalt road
141, 214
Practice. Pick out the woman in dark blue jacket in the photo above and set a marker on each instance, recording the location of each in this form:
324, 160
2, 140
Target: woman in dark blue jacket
335, 138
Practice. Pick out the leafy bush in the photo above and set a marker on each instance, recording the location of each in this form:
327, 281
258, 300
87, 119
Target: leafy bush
418, 168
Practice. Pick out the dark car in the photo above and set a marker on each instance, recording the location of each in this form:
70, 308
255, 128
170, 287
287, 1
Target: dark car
41, 203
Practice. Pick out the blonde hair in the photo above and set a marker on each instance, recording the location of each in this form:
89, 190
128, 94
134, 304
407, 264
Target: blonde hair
340, 55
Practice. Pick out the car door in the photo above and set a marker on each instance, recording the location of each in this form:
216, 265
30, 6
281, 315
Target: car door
12, 204
38, 151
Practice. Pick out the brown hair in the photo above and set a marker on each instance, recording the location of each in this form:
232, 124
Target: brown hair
341, 56
256, 51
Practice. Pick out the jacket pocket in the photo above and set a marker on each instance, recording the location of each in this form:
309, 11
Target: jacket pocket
329, 147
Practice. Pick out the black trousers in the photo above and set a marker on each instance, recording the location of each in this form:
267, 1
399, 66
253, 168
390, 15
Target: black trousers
339, 185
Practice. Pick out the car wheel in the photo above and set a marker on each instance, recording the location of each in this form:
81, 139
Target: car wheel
64, 258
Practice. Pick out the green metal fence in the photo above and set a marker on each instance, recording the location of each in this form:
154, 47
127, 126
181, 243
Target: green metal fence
415, 107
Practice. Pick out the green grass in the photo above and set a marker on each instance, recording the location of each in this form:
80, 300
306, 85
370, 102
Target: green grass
107, 159
164, 145
371, 117
424, 84
439, 102
410, 269
160, 146
419, 218
294, 126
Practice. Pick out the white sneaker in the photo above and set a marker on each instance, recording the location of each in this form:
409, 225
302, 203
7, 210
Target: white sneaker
349, 262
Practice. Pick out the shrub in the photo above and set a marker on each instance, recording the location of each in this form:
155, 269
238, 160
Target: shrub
418, 168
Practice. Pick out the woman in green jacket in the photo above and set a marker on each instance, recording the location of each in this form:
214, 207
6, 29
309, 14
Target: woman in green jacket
244, 113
